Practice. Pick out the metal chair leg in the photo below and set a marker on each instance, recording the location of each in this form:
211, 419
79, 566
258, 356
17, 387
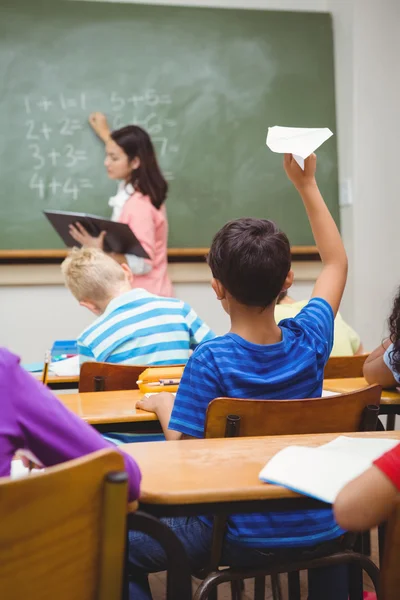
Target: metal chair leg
236, 590
355, 582
179, 581
276, 587
366, 543
294, 585
213, 595
259, 588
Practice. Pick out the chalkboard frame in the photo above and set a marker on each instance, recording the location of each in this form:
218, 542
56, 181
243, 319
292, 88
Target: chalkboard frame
175, 255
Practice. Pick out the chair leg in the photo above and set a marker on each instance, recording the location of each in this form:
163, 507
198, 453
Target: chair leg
213, 595
179, 581
236, 589
207, 590
391, 422
259, 588
355, 582
366, 543
276, 587
294, 585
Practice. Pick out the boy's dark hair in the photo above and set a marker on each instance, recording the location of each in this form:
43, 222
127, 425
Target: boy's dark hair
251, 258
281, 296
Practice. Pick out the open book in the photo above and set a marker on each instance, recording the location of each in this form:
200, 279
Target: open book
322, 472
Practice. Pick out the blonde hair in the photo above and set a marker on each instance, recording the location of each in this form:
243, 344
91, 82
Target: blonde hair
92, 275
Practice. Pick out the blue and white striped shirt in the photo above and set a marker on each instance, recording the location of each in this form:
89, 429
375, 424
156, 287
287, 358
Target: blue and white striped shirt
293, 368
138, 328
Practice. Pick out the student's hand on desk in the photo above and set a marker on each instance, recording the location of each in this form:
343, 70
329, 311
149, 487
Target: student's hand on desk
297, 176
154, 402
80, 235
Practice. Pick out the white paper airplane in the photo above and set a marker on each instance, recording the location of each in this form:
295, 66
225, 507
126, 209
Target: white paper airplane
299, 141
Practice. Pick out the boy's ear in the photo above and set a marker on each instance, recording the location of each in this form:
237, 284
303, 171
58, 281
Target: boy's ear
128, 273
288, 281
91, 306
218, 289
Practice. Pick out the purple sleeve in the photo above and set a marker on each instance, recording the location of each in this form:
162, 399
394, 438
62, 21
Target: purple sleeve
50, 430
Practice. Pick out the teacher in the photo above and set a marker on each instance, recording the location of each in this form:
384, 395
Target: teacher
139, 202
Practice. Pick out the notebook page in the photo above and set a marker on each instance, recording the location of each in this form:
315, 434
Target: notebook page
322, 472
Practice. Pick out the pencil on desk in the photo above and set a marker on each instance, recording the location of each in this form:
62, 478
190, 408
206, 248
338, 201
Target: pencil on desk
161, 382
47, 358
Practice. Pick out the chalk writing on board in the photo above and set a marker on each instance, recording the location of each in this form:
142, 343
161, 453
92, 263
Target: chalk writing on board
45, 130
54, 156
44, 104
37, 183
30, 134
74, 102
56, 127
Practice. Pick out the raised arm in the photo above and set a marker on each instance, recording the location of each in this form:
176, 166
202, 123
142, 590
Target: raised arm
332, 279
99, 124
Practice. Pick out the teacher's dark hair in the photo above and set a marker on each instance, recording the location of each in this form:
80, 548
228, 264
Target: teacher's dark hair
148, 179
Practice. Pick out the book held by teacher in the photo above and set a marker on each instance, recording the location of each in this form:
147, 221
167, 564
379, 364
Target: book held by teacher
120, 237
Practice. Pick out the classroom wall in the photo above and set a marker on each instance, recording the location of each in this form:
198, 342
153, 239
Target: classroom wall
367, 46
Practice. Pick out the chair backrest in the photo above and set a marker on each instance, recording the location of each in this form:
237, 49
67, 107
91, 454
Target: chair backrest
390, 572
332, 414
63, 531
98, 376
339, 367
107, 377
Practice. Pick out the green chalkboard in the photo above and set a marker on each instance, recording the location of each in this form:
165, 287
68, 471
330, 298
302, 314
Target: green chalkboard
206, 83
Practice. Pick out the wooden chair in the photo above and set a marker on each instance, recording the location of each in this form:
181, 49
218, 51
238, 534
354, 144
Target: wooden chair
107, 377
98, 377
331, 414
356, 411
390, 572
63, 531
339, 367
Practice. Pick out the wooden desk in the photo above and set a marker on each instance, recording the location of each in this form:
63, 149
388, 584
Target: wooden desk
192, 477
103, 409
390, 399
56, 382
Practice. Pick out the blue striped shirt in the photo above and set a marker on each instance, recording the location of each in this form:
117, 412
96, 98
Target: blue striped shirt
138, 328
293, 368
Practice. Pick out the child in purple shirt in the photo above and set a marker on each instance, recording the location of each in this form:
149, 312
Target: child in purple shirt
32, 418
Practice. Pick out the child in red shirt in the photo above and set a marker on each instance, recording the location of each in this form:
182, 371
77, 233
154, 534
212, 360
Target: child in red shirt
369, 499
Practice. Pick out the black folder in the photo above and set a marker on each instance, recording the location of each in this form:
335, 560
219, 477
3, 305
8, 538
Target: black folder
120, 237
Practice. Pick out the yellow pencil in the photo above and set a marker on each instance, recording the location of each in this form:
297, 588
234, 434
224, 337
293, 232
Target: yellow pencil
47, 358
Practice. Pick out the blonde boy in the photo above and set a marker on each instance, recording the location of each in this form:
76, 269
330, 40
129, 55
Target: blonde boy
133, 326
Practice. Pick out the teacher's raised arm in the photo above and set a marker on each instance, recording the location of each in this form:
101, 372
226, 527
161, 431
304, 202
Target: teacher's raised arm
139, 202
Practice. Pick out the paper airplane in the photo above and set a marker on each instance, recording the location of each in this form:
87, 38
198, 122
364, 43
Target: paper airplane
299, 141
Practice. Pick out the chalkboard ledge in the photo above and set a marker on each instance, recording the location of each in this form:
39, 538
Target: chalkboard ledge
175, 255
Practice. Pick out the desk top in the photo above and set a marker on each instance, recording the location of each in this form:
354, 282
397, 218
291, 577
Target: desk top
53, 378
98, 408
217, 470
351, 384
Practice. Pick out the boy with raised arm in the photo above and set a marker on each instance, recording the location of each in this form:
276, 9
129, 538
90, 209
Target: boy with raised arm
250, 261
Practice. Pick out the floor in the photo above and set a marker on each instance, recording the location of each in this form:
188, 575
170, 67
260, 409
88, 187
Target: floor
157, 582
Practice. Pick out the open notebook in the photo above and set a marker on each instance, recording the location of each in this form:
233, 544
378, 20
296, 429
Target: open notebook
322, 472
